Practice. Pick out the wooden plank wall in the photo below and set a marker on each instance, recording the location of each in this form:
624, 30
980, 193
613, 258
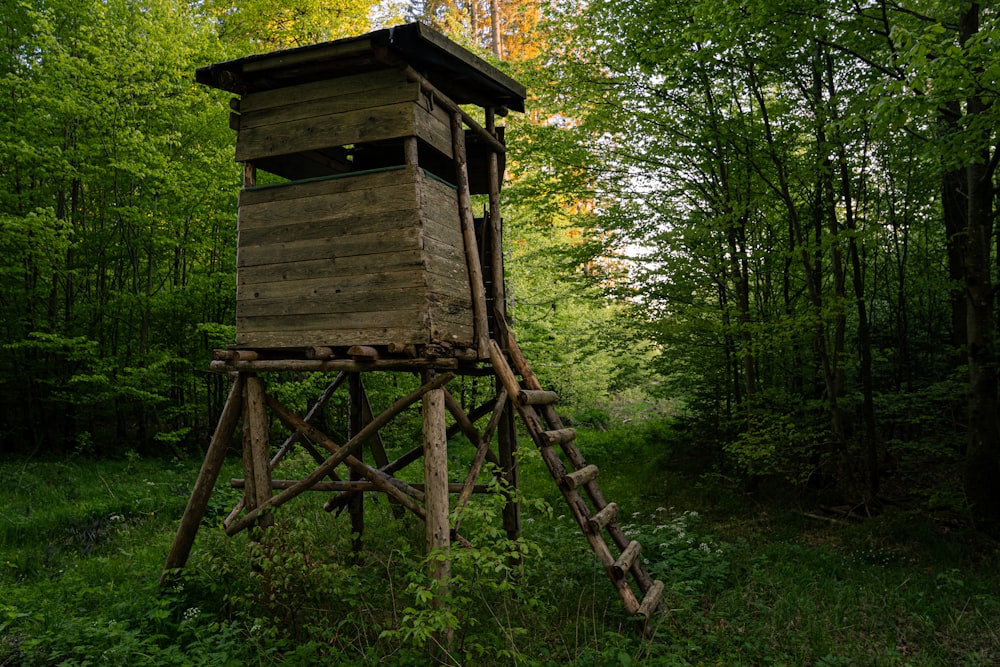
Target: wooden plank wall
372, 258
447, 277
363, 108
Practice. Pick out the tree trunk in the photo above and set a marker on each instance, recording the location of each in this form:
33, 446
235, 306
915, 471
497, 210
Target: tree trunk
495, 40
982, 463
955, 211
871, 447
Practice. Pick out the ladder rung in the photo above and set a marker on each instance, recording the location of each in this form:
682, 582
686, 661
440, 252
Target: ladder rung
580, 477
537, 397
624, 562
652, 600
559, 437
603, 518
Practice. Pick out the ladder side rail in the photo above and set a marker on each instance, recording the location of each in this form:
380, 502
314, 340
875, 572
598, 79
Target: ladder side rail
574, 456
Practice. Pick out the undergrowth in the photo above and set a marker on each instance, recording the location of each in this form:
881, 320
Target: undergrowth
82, 544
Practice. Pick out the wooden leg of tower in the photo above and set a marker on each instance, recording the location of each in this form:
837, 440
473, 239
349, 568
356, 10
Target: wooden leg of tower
436, 491
507, 438
356, 506
256, 458
207, 476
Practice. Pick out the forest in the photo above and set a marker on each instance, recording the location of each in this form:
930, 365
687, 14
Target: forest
751, 244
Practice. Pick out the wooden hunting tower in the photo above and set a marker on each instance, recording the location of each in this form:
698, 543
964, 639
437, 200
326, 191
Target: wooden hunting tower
359, 240
359, 251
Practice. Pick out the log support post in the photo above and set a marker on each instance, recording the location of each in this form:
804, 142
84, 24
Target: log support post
207, 476
256, 457
496, 225
507, 445
478, 285
355, 418
436, 493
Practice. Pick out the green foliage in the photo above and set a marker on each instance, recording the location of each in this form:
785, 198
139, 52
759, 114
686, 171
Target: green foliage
115, 222
493, 568
757, 586
257, 26
777, 440
779, 220
689, 564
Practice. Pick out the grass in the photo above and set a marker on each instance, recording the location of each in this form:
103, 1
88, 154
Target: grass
749, 582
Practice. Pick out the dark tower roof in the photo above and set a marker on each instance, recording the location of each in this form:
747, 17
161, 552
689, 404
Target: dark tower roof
455, 71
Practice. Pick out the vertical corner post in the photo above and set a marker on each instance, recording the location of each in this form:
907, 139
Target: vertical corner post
355, 418
256, 459
478, 284
436, 491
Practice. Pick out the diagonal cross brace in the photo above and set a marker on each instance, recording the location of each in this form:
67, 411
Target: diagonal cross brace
342, 453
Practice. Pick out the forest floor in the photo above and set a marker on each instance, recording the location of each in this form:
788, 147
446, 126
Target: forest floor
751, 579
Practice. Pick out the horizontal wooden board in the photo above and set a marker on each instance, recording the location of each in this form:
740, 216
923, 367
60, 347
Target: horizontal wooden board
441, 285
353, 245
439, 210
371, 99
439, 252
404, 335
433, 125
336, 129
350, 303
345, 303
322, 287
409, 319
360, 126
343, 86
336, 225
305, 278
331, 268
387, 201
341, 291
449, 334
456, 328
333, 210
341, 337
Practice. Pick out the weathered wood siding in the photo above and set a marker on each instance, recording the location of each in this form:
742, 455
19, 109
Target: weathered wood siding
363, 259
363, 108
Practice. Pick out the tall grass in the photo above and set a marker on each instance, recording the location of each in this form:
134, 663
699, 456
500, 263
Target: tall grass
748, 583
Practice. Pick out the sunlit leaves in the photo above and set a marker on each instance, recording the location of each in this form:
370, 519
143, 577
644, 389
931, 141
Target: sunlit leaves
264, 25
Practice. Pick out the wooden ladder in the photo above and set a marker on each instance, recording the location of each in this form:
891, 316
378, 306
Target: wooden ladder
576, 480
